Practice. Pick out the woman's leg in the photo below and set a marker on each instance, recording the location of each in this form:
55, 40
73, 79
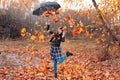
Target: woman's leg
62, 58
55, 66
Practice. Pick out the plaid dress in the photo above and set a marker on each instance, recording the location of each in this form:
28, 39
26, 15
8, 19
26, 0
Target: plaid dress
55, 50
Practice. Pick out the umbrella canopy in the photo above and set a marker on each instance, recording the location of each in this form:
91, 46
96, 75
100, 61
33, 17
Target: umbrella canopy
46, 6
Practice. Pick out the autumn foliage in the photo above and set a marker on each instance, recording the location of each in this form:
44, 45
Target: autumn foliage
92, 40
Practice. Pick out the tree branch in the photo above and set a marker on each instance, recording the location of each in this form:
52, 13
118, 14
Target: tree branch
103, 21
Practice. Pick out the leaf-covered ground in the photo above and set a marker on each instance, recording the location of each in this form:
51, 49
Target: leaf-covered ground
18, 61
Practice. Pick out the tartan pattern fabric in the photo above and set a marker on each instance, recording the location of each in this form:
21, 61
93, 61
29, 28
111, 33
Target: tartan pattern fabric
55, 51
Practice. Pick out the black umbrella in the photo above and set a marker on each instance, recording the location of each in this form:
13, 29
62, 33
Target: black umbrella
46, 6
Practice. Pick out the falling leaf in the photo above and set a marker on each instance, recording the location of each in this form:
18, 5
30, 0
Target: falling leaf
37, 23
33, 37
37, 32
22, 34
64, 28
23, 30
71, 20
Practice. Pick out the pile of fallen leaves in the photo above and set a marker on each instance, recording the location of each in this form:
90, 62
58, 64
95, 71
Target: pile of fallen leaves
83, 65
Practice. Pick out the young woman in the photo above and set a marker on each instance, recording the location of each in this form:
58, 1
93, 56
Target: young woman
55, 50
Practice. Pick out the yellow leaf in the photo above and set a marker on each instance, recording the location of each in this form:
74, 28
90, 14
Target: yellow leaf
41, 37
28, 34
33, 37
22, 34
103, 39
29, 70
97, 41
23, 30
45, 27
65, 28
69, 78
103, 35
108, 34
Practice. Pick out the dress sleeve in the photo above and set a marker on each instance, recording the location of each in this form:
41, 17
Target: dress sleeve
50, 39
63, 37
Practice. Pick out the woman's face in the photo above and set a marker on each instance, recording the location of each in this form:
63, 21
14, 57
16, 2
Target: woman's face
59, 30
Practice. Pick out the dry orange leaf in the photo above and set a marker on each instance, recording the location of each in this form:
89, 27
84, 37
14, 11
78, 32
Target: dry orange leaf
37, 32
33, 37
64, 28
37, 23
70, 20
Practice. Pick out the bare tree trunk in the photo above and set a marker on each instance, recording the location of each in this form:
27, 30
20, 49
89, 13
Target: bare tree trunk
103, 21
106, 26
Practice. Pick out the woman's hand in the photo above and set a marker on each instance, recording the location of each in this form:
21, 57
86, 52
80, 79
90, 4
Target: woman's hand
53, 35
